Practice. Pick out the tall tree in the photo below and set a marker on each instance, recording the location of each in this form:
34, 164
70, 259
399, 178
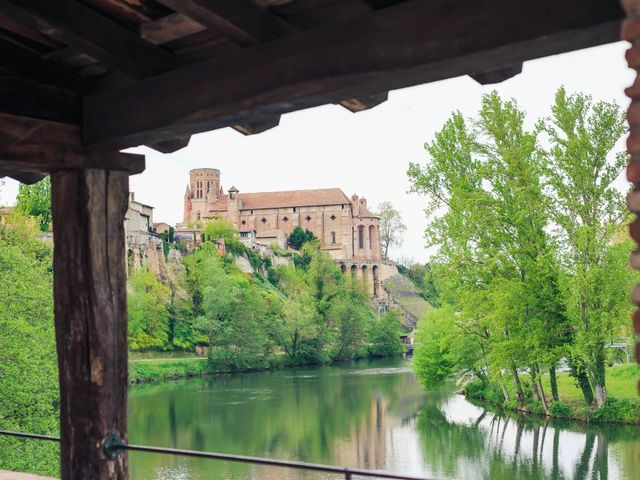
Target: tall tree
392, 228
588, 211
495, 259
35, 200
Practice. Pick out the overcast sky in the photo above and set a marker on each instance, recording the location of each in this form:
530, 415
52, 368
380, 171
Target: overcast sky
366, 153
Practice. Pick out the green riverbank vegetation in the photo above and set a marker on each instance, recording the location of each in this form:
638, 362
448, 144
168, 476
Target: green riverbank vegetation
298, 313
532, 259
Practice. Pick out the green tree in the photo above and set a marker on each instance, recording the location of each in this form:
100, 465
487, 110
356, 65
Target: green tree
496, 258
588, 211
299, 237
392, 228
384, 336
29, 396
35, 200
149, 316
432, 356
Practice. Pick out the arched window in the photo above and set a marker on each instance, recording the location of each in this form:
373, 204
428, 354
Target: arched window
333, 238
360, 236
372, 230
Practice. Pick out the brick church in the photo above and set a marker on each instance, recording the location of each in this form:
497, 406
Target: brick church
347, 229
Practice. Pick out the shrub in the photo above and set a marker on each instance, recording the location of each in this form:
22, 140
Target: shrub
560, 410
614, 410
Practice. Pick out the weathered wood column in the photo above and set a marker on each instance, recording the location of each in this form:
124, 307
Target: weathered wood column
89, 198
631, 33
90, 317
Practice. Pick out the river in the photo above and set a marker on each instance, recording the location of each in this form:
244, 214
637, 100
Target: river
367, 415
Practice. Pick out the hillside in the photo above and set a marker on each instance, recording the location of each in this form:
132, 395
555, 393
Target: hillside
405, 295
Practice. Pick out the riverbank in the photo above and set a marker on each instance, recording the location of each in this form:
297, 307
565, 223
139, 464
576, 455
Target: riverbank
158, 367
622, 406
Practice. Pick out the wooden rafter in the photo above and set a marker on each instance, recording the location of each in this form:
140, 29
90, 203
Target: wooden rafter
411, 43
242, 21
87, 31
28, 145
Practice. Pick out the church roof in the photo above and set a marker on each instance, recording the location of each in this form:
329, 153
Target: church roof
294, 198
287, 199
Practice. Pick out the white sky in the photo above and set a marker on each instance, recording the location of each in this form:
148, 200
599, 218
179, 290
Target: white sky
366, 153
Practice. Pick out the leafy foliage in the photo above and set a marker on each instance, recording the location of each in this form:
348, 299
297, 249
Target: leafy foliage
299, 237
530, 267
28, 374
392, 228
35, 200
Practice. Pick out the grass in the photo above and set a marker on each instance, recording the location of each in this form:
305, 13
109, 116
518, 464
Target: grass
622, 383
159, 367
623, 405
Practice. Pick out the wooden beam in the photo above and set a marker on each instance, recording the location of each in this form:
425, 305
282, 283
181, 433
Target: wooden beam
171, 27
84, 29
29, 145
255, 126
240, 20
90, 304
27, 64
408, 44
170, 146
24, 98
364, 103
498, 75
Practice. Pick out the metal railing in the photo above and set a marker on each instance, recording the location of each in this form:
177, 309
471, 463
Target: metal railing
113, 446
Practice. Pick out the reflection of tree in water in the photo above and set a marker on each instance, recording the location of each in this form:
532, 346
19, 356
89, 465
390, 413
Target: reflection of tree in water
297, 414
477, 449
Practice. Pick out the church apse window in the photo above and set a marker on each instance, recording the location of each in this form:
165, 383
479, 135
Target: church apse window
360, 236
333, 238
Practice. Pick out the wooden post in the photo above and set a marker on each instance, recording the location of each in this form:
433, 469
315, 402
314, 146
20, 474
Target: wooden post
90, 318
631, 33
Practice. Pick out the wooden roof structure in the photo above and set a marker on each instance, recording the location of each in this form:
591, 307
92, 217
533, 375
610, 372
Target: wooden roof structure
153, 72
82, 79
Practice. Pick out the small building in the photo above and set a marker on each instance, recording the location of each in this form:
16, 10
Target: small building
143, 245
161, 227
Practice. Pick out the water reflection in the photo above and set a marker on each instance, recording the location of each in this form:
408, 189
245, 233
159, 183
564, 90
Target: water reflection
364, 416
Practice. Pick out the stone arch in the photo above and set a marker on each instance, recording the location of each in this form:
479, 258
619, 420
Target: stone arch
343, 268
376, 280
354, 270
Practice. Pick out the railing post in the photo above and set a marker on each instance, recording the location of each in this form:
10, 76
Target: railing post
90, 318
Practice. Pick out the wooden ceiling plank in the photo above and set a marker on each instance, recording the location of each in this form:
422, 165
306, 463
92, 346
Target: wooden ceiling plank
169, 28
242, 21
82, 28
27, 64
29, 145
24, 98
409, 44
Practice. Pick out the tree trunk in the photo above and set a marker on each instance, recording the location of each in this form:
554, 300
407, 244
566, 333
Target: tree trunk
519, 394
505, 392
578, 371
543, 398
534, 384
90, 318
553, 379
598, 372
